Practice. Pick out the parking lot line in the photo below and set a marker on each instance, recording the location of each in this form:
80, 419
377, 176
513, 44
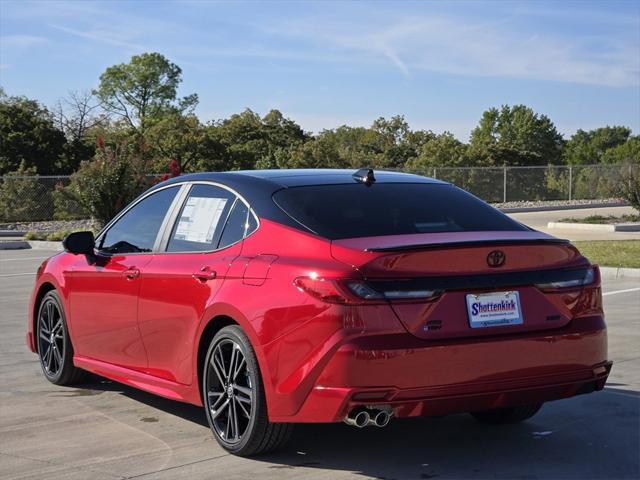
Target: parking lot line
21, 259
627, 290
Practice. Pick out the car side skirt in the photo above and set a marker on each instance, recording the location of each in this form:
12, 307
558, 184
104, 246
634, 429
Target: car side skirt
140, 380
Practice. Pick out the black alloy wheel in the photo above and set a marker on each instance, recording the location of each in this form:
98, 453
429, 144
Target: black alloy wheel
53, 343
234, 397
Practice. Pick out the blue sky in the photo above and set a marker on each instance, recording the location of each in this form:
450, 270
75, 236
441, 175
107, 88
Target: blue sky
324, 64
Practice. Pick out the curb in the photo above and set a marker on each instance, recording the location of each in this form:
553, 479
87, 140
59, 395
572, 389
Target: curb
14, 245
45, 245
615, 272
30, 244
596, 227
562, 207
12, 233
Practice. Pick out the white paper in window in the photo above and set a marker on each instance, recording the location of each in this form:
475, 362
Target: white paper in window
199, 219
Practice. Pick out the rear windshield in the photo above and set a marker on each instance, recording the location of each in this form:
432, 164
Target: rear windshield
355, 210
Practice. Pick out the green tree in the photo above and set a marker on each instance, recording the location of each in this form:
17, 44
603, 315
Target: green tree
388, 143
28, 134
394, 142
104, 185
318, 152
181, 138
627, 152
247, 141
588, 147
628, 187
143, 90
243, 140
281, 134
442, 150
515, 136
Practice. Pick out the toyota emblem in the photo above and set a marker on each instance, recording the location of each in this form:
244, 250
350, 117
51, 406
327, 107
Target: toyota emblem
496, 258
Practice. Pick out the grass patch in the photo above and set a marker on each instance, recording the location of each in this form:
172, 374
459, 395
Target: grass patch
611, 253
56, 236
600, 219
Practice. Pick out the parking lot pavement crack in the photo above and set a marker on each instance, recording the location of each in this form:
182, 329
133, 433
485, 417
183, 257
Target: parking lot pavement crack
59, 464
146, 474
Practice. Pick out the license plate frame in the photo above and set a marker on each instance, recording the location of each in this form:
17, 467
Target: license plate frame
494, 309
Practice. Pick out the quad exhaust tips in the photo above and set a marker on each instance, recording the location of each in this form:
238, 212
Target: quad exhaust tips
365, 417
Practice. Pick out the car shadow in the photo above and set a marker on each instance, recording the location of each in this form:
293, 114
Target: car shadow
95, 384
589, 436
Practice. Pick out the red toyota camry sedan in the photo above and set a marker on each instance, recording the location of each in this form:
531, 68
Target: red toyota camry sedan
279, 297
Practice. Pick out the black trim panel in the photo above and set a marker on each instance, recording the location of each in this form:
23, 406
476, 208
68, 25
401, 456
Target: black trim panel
477, 282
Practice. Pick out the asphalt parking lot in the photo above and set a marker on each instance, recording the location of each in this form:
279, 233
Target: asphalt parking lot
105, 430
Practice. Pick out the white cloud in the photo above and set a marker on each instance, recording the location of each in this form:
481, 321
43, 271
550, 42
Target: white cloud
457, 45
110, 37
513, 43
21, 41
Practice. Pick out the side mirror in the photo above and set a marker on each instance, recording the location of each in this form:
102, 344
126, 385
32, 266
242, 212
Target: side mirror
79, 243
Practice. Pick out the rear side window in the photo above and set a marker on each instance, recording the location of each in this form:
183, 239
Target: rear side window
240, 223
355, 210
200, 223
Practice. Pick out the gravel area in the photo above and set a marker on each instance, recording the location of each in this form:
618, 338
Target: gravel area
51, 226
559, 203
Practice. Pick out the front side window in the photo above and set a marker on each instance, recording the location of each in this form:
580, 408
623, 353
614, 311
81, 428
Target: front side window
137, 229
200, 224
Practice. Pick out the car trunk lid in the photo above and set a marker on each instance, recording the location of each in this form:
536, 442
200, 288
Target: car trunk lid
459, 264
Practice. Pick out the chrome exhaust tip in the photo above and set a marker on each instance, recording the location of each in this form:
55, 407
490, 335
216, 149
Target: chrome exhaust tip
382, 418
358, 418
361, 419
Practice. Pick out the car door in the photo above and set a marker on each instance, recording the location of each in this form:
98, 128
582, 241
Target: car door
179, 284
104, 289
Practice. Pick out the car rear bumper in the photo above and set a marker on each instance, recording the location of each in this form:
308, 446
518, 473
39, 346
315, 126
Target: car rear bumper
435, 378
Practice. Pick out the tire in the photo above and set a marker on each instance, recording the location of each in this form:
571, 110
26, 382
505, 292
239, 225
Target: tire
234, 399
54, 344
504, 416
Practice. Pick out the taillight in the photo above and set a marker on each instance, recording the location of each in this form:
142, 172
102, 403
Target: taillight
588, 278
326, 289
365, 291
354, 292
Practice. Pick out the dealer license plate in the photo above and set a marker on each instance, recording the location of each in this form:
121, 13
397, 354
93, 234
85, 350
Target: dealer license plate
494, 309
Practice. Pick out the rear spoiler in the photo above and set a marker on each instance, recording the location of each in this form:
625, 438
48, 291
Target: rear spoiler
470, 243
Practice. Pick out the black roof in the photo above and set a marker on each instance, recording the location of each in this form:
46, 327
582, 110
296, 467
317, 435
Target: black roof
330, 176
258, 186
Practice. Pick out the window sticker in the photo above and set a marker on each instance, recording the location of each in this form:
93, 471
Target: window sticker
199, 219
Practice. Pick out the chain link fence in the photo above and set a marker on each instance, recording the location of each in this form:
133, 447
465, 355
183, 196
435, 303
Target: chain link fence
29, 198
37, 198
543, 183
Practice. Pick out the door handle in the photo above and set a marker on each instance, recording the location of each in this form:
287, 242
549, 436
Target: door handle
204, 274
131, 273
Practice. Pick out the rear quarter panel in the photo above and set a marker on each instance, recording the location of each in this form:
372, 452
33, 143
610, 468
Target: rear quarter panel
291, 332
